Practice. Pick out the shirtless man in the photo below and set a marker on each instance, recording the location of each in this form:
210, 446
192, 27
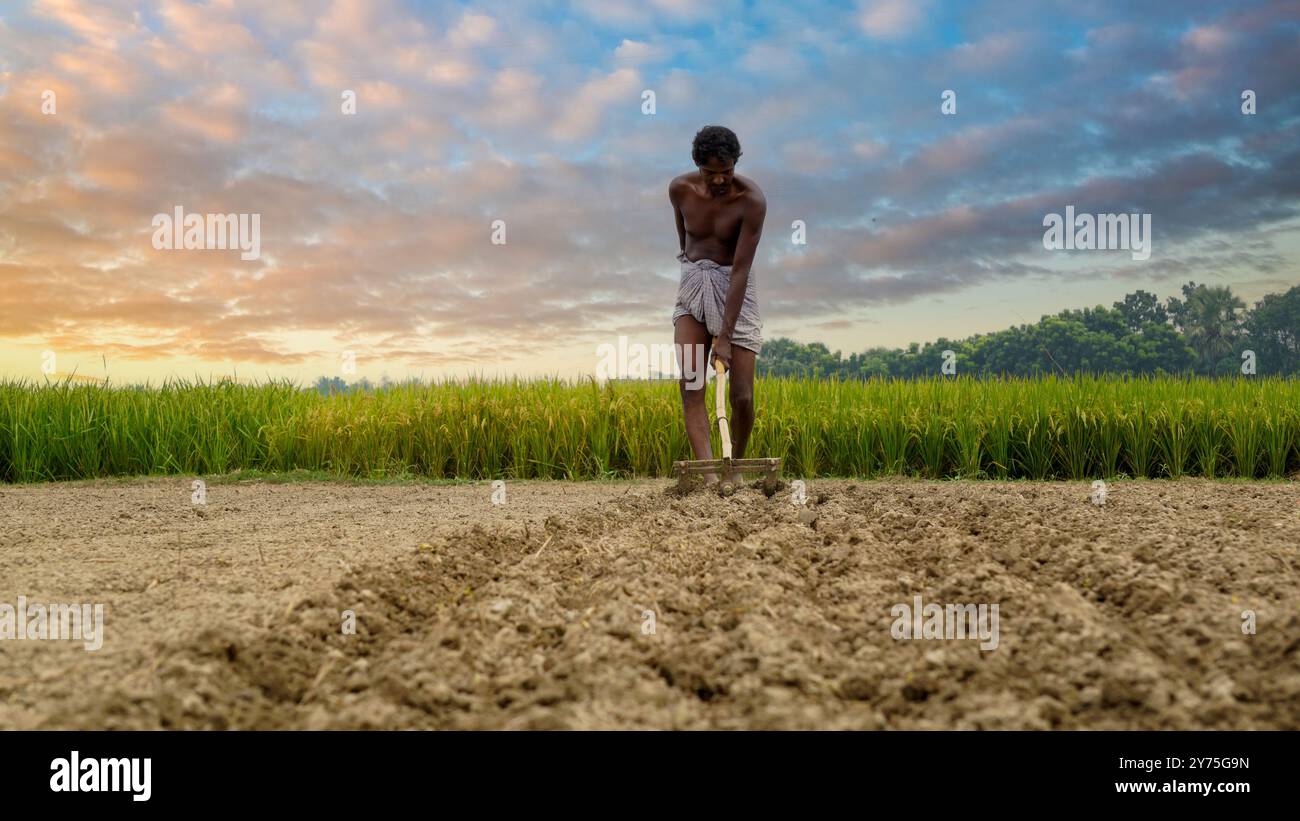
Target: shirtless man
719, 222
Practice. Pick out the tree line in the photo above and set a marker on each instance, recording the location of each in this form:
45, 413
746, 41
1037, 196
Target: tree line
1209, 331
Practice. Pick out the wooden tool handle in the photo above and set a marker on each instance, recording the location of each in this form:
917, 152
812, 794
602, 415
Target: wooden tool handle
720, 389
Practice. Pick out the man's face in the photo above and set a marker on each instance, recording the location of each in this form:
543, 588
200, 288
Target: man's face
718, 173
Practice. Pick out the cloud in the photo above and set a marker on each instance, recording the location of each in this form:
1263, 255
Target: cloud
995, 51
583, 111
102, 24
891, 19
218, 114
473, 30
376, 227
632, 52
646, 13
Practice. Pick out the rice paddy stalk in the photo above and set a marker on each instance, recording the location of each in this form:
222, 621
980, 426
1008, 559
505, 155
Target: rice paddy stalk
1079, 428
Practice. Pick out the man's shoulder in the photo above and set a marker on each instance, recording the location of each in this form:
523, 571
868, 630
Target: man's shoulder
753, 195
681, 184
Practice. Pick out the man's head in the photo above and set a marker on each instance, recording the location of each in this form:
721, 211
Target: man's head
715, 152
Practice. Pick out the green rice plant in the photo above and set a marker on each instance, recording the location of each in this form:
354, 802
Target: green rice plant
932, 438
1109, 440
894, 433
1207, 437
550, 428
998, 438
1173, 439
1036, 444
1245, 432
806, 434
1138, 431
600, 431
968, 432
1074, 446
1280, 433
859, 455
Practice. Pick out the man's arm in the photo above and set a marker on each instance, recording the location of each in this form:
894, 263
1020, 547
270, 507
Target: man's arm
751, 229
675, 197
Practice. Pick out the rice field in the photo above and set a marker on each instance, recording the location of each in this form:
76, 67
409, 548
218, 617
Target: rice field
1044, 428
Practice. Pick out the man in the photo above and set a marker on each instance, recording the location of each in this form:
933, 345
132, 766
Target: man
719, 222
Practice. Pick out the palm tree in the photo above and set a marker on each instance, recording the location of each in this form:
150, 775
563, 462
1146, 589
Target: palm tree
1210, 321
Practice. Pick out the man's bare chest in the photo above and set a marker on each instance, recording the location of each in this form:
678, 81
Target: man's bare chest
706, 220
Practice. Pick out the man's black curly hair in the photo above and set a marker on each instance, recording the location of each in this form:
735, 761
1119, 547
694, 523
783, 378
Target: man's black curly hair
715, 141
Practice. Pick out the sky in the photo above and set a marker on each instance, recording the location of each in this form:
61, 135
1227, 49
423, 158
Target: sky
445, 189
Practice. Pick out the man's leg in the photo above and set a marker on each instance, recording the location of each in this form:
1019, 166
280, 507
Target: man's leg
740, 384
693, 342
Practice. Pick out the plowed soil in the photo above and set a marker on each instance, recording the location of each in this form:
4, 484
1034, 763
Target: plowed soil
619, 605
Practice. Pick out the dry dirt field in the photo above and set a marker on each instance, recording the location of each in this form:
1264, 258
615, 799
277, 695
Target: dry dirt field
532, 614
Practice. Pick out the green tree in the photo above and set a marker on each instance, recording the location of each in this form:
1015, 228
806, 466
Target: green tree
1208, 317
1141, 307
1272, 330
1205, 331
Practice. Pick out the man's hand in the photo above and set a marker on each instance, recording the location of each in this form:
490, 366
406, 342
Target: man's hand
722, 350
